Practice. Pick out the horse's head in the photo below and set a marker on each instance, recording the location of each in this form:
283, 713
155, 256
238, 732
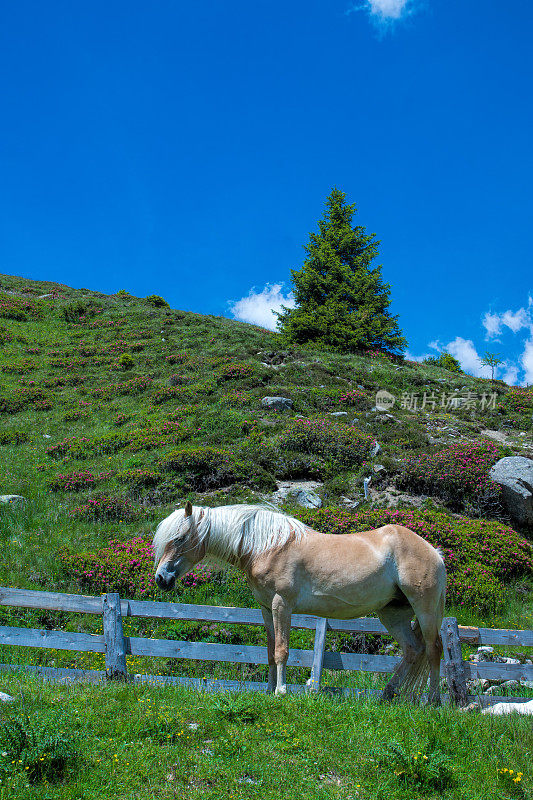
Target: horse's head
182, 548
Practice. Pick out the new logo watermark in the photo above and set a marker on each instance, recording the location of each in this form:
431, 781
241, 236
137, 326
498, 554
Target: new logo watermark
433, 401
384, 400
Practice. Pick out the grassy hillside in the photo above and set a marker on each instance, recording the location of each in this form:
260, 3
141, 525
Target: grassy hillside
113, 410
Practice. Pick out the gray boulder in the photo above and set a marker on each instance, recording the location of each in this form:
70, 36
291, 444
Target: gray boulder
515, 475
338, 413
12, 499
301, 492
277, 403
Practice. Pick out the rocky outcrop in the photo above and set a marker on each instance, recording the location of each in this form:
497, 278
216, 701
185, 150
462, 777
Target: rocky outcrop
300, 492
515, 475
277, 403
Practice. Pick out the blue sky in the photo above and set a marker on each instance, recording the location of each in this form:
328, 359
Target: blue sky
186, 149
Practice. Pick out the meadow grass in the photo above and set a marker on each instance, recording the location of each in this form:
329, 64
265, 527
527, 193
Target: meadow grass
143, 741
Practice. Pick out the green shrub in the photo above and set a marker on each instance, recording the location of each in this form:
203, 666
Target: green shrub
79, 310
341, 443
480, 555
13, 436
156, 301
125, 361
446, 361
427, 771
205, 468
138, 478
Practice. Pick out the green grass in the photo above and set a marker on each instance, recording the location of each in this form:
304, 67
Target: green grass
136, 742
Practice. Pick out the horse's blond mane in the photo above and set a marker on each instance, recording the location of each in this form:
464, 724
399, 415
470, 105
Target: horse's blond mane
232, 531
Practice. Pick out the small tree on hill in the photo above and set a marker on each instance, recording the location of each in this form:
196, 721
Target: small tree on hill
491, 360
341, 299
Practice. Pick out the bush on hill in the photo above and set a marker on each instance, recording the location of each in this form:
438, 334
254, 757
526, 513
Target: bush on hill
205, 468
458, 474
343, 444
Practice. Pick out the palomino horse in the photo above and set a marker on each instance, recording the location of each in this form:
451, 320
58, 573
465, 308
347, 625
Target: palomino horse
292, 568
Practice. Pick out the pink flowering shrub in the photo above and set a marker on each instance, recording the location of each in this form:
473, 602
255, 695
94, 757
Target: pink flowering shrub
354, 398
124, 567
457, 473
519, 399
235, 370
19, 309
19, 367
135, 386
480, 555
121, 419
101, 507
177, 358
330, 398
22, 397
182, 394
77, 481
236, 399
332, 440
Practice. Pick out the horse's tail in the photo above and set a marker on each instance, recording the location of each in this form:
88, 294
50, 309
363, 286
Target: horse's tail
417, 677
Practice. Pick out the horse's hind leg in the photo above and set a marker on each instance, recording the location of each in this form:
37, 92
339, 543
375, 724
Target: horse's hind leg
269, 625
397, 619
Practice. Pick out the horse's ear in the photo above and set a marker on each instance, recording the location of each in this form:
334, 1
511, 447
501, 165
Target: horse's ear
188, 508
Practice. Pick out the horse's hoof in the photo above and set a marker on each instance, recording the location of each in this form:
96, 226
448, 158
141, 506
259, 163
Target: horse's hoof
280, 691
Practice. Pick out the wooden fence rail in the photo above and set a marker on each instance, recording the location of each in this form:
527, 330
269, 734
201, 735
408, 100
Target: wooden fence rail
116, 646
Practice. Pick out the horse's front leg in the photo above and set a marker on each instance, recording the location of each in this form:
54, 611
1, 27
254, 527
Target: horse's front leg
269, 625
281, 614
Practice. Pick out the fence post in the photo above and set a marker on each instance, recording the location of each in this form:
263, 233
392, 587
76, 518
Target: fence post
318, 654
453, 661
115, 646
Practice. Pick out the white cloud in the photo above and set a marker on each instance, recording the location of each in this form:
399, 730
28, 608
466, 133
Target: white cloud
514, 320
526, 359
384, 11
510, 374
410, 357
492, 324
435, 345
258, 307
468, 357
388, 9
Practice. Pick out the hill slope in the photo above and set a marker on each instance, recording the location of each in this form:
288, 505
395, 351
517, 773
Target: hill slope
115, 409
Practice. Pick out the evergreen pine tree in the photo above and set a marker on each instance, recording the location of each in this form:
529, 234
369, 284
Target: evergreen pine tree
341, 299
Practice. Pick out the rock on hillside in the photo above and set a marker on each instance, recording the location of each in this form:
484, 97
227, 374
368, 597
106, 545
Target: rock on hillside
515, 475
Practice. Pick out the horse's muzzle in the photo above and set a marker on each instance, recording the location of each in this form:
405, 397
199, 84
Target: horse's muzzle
165, 579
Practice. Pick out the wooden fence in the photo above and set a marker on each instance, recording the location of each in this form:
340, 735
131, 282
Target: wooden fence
116, 646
